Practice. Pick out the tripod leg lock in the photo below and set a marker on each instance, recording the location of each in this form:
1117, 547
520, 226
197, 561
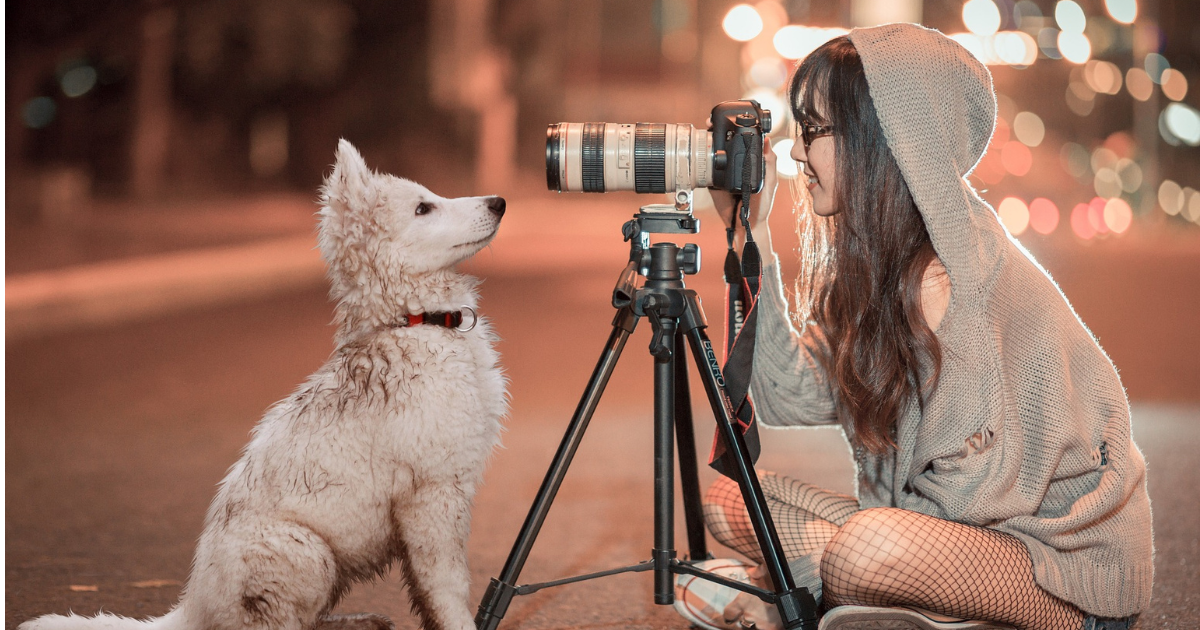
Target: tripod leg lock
494, 604
798, 609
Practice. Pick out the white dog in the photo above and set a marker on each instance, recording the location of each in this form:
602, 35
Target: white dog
376, 457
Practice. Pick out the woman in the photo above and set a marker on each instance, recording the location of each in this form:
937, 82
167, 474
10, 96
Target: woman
997, 478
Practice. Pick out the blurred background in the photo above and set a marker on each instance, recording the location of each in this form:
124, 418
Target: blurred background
162, 161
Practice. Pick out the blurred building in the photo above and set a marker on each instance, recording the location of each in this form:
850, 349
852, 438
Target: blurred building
165, 98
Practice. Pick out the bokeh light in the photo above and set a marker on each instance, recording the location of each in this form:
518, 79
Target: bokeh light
1070, 17
784, 164
981, 17
768, 72
795, 42
1047, 39
1080, 224
1123, 11
1075, 159
1103, 77
1014, 214
1170, 197
1043, 215
1155, 65
1191, 210
1174, 84
1118, 215
1139, 84
742, 23
1183, 122
1104, 157
1026, 10
78, 81
39, 112
1015, 48
1130, 174
1095, 215
1107, 183
1074, 47
1016, 157
1029, 128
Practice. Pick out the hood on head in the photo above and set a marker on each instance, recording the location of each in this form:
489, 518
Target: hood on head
929, 93
937, 108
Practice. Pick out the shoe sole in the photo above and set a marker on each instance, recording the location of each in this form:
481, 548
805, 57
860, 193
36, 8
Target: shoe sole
865, 618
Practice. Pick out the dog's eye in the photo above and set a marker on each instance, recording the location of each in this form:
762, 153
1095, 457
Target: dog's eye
424, 208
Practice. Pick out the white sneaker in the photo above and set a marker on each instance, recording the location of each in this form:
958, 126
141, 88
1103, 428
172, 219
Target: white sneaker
702, 602
873, 618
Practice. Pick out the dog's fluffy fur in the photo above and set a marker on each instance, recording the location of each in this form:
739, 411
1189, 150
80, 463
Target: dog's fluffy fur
378, 455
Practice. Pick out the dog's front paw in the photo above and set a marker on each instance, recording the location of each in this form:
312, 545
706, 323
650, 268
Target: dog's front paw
357, 621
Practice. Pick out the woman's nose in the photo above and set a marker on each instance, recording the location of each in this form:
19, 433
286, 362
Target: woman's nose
798, 152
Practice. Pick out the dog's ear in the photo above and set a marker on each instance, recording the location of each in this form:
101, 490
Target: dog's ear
348, 188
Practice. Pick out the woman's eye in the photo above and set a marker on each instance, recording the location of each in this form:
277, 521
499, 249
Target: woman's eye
424, 208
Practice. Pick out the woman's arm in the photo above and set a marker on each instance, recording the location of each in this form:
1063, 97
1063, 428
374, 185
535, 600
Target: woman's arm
789, 387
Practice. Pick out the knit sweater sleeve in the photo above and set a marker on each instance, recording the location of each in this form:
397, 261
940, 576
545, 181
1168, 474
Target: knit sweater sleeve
788, 386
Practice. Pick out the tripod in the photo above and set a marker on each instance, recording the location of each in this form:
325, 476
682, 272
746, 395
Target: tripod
675, 316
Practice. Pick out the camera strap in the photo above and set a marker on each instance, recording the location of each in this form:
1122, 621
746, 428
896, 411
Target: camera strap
743, 279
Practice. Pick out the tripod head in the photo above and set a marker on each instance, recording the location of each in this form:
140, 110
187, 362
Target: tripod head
663, 264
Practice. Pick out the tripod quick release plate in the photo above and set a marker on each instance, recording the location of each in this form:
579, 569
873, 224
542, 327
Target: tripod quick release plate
665, 219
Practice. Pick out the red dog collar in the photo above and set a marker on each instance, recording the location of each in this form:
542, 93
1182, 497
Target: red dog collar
447, 319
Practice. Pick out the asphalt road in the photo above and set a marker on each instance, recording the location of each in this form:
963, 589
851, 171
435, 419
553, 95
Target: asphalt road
116, 438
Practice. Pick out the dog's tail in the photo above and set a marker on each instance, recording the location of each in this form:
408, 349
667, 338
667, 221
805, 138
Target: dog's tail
173, 620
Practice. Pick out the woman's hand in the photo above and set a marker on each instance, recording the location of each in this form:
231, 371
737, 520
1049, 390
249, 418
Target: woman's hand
760, 205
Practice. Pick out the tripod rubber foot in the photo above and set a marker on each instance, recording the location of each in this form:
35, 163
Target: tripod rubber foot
798, 609
494, 604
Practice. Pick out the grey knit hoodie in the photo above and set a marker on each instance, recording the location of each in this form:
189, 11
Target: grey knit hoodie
1027, 430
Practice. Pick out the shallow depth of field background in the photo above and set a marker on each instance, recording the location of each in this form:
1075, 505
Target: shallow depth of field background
161, 287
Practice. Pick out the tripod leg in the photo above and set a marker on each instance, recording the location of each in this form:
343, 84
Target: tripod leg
689, 478
664, 463
501, 590
797, 607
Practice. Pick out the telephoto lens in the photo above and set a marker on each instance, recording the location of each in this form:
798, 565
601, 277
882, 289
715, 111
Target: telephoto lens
660, 157
641, 157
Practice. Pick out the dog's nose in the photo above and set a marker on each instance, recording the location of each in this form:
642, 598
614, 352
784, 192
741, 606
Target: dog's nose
496, 205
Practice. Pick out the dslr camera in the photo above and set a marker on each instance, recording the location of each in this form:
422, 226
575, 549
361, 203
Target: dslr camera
660, 157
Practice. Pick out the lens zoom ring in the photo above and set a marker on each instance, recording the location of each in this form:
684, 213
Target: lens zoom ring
592, 154
650, 158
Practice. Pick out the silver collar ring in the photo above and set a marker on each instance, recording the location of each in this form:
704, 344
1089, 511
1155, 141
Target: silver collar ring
474, 320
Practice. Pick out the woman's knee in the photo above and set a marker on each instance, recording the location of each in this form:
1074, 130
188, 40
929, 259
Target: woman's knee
873, 549
723, 492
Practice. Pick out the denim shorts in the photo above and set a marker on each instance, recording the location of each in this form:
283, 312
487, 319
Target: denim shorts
1105, 623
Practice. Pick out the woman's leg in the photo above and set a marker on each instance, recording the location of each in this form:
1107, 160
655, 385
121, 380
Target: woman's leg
806, 517
894, 557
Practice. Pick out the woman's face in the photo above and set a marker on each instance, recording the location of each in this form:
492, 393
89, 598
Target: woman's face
818, 166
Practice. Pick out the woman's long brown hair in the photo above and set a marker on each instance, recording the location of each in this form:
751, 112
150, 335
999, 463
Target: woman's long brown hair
862, 268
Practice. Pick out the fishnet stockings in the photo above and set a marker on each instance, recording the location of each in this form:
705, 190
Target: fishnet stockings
806, 517
894, 557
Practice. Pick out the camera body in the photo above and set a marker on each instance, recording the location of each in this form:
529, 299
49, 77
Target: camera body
737, 133
659, 157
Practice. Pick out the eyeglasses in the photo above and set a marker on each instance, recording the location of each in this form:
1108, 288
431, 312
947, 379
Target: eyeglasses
810, 132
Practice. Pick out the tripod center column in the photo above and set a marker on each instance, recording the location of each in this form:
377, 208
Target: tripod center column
664, 462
